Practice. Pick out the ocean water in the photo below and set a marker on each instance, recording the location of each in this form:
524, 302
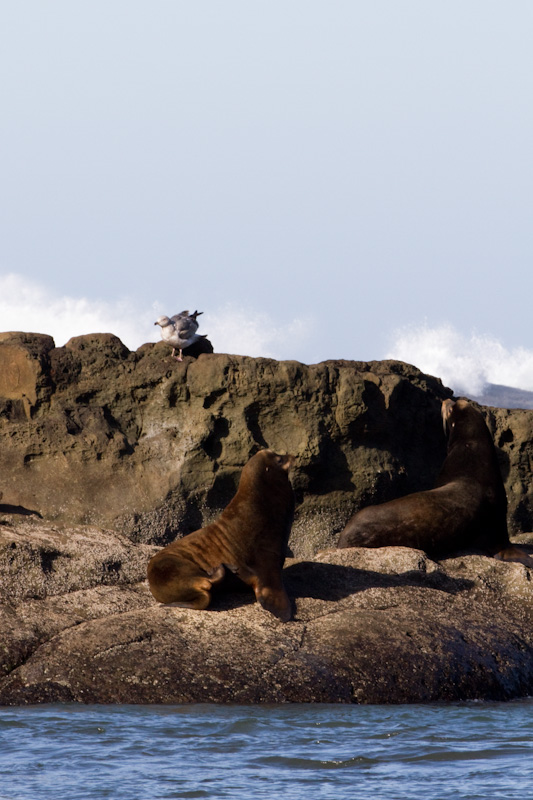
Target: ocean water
290, 752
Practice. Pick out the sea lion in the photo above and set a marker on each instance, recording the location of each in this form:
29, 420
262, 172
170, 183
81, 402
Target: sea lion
467, 509
249, 539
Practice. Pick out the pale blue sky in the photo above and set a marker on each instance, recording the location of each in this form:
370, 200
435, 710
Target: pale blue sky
347, 168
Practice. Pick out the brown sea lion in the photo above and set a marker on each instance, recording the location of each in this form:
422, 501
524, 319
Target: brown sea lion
249, 539
467, 509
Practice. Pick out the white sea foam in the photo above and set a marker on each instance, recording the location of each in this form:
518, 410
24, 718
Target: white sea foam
239, 331
465, 362
28, 306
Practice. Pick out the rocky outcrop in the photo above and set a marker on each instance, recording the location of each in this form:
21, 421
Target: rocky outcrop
91, 433
369, 626
106, 455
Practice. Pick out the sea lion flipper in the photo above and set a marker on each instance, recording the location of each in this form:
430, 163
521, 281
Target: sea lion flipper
277, 602
243, 572
232, 568
179, 582
513, 553
217, 574
274, 599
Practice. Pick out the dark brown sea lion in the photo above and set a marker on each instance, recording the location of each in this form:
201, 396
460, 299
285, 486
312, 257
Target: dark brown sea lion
467, 509
249, 538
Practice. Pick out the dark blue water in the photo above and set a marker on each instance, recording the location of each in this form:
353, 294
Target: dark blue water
295, 751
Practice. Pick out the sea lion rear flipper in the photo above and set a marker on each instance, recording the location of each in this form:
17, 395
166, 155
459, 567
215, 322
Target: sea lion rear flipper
217, 574
177, 581
513, 553
232, 568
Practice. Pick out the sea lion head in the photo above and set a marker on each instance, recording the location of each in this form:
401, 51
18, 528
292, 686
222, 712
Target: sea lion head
471, 452
462, 421
460, 412
274, 460
267, 469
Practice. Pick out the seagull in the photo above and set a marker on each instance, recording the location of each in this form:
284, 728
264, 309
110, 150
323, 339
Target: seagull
180, 331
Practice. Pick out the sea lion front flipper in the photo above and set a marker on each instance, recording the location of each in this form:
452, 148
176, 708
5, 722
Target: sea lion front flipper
275, 600
514, 553
270, 593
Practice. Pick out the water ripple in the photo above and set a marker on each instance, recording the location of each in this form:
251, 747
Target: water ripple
294, 751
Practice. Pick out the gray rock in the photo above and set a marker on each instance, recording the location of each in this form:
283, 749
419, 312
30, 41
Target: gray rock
369, 626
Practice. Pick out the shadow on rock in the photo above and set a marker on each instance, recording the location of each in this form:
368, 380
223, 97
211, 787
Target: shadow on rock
25, 512
334, 581
231, 593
